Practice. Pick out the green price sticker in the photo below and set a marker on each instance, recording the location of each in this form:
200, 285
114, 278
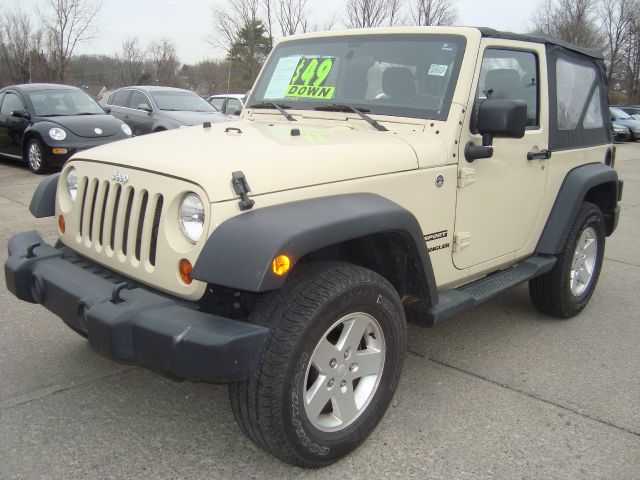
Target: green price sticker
309, 77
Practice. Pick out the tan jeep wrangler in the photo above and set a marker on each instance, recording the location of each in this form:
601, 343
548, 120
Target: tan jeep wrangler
375, 177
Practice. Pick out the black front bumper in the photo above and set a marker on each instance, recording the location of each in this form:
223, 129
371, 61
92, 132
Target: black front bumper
129, 322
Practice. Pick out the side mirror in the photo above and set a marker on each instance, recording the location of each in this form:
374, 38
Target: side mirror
107, 109
237, 112
20, 114
497, 118
501, 118
145, 107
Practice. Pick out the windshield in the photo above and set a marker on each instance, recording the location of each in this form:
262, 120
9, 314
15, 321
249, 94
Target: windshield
400, 75
181, 101
50, 103
619, 114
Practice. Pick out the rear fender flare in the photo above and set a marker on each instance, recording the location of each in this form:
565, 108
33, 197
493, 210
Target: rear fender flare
573, 192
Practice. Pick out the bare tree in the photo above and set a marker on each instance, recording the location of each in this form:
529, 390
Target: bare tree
325, 26
433, 12
240, 32
18, 39
268, 8
131, 61
618, 19
372, 13
67, 23
229, 21
292, 16
163, 58
570, 20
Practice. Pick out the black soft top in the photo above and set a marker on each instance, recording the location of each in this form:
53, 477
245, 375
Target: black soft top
590, 52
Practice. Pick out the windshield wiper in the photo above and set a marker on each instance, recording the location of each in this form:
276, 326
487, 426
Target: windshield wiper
89, 113
280, 108
345, 107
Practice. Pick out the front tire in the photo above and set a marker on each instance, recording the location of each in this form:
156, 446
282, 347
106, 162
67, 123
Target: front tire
35, 157
330, 367
567, 288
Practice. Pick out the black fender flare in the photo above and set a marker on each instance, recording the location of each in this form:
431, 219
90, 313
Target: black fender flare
573, 191
240, 251
43, 202
32, 131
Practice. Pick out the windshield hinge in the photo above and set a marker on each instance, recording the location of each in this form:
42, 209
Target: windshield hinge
241, 187
466, 176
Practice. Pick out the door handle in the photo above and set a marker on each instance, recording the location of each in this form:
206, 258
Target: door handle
126, 116
541, 155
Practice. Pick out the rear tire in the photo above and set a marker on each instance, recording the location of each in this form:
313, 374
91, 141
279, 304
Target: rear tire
330, 367
565, 290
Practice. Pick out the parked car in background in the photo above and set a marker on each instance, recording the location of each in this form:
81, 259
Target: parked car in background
44, 124
629, 109
620, 133
230, 104
619, 117
153, 109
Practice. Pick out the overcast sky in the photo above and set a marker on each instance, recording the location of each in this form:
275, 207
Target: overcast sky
188, 22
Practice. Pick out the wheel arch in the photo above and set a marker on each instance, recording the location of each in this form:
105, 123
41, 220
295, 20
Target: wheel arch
364, 229
595, 183
29, 134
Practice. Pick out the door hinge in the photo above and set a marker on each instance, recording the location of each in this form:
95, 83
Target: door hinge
466, 176
461, 240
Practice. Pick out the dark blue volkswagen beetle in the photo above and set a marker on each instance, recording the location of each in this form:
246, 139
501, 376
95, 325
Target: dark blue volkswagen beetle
44, 124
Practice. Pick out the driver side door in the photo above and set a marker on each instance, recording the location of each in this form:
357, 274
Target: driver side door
499, 199
11, 128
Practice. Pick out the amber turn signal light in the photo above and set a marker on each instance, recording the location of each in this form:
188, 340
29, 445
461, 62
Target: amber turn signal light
185, 268
61, 225
281, 264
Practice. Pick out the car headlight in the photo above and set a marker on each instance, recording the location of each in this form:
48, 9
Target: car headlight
72, 183
57, 133
125, 128
192, 217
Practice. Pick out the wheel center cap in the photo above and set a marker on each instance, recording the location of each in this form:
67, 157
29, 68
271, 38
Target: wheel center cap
341, 370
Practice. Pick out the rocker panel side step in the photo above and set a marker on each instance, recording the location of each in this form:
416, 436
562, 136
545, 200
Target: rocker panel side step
458, 300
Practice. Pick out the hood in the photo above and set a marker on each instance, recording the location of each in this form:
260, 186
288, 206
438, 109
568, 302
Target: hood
629, 123
272, 156
193, 118
85, 125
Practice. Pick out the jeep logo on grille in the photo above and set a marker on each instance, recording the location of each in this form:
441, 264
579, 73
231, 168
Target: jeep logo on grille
120, 177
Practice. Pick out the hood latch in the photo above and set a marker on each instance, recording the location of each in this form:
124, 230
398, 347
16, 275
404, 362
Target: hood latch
241, 187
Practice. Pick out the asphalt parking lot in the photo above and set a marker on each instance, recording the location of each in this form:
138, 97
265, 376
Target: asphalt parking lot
498, 392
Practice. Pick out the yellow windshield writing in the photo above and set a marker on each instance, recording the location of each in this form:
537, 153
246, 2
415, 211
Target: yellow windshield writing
310, 92
309, 77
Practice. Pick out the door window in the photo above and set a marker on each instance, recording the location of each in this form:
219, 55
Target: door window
217, 102
510, 75
10, 103
233, 106
138, 99
121, 98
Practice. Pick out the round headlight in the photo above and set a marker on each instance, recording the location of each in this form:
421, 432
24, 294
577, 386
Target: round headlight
126, 129
192, 217
57, 133
72, 183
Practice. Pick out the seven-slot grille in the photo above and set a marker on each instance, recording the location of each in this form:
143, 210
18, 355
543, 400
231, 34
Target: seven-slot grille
120, 218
